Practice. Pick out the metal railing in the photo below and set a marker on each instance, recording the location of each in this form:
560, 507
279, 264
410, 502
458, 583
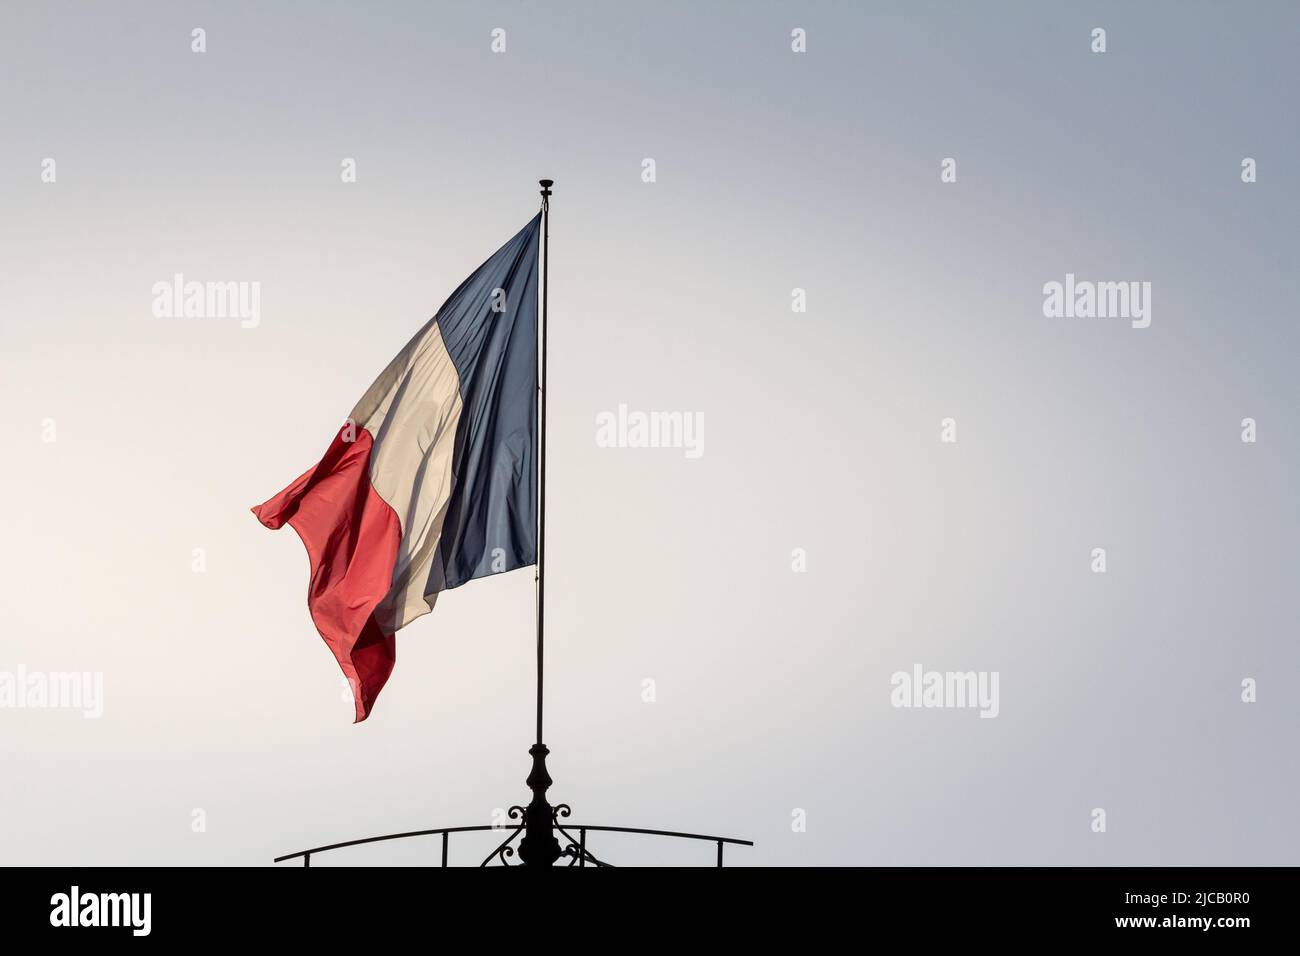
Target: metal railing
576, 850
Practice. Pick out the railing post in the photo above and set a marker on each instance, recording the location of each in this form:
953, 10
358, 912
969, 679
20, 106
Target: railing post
582, 846
719, 853
306, 859
444, 847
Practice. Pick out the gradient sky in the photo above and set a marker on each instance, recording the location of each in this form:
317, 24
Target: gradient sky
775, 171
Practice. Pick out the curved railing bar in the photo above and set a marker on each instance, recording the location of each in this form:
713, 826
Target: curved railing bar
667, 833
380, 839
478, 829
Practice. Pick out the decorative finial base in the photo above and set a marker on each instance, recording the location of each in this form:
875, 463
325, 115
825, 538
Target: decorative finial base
539, 847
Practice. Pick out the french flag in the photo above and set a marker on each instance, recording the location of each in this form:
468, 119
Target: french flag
432, 481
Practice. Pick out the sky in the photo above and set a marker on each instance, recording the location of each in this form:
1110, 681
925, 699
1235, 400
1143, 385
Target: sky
724, 629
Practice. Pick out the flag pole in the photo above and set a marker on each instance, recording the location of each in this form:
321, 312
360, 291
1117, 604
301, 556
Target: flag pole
539, 847
541, 441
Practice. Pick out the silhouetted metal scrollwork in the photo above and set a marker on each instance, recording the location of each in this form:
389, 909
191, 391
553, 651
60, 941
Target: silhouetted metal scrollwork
574, 849
505, 851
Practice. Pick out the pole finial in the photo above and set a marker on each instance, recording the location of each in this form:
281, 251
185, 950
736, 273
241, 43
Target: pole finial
546, 185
